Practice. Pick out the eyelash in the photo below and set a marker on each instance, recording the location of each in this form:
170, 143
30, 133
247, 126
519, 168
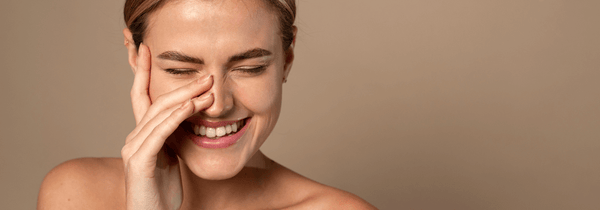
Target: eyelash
180, 71
255, 70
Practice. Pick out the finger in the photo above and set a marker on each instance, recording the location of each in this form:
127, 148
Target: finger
199, 104
155, 141
167, 102
141, 131
202, 102
178, 96
140, 100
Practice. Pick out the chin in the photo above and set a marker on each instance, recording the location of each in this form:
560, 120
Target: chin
215, 168
215, 164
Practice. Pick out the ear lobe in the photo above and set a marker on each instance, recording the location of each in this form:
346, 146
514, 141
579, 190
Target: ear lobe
131, 49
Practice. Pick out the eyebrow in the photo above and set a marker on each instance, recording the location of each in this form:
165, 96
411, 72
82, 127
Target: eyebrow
253, 53
178, 56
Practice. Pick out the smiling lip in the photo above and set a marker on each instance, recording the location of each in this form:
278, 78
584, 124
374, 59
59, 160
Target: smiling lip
222, 142
199, 121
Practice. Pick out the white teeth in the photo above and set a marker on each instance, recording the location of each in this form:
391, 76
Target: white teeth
202, 130
228, 129
221, 131
210, 132
196, 129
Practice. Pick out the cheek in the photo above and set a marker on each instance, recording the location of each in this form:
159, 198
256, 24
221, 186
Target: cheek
261, 96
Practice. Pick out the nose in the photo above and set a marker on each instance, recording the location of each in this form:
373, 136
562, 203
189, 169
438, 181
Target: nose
223, 98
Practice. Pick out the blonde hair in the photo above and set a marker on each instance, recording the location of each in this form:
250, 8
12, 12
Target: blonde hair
136, 13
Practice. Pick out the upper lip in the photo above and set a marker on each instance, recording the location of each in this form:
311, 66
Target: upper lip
213, 124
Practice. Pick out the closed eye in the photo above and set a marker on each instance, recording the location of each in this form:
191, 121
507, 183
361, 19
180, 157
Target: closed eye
252, 70
181, 71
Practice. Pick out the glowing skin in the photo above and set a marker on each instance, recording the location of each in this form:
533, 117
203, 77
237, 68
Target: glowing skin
239, 44
214, 32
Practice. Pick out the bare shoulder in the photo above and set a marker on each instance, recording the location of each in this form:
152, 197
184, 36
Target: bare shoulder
313, 195
85, 183
331, 198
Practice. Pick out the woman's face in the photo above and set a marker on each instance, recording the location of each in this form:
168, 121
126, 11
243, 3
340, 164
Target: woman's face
238, 43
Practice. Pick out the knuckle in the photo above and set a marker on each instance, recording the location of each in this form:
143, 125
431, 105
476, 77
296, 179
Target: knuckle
170, 124
130, 136
161, 128
125, 152
159, 105
160, 99
133, 161
151, 112
133, 92
164, 129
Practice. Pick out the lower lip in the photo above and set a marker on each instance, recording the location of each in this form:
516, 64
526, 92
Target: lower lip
223, 142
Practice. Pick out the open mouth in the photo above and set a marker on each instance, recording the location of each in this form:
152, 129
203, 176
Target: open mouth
218, 132
214, 135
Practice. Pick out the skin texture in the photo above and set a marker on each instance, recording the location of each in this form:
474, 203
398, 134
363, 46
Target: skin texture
160, 168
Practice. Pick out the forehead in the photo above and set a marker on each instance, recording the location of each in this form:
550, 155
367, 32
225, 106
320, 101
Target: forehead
212, 26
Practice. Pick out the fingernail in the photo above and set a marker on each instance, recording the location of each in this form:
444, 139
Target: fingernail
204, 78
140, 48
207, 96
144, 48
201, 97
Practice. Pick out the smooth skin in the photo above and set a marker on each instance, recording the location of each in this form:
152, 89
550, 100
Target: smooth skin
160, 168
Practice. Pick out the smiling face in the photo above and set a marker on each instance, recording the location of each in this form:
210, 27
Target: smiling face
239, 44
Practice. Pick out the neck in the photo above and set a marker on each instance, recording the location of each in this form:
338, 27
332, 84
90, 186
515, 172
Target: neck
242, 188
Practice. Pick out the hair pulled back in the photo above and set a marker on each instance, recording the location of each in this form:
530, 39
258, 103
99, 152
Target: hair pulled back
136, 13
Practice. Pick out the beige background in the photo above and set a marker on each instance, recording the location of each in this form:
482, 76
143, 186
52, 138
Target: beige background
411, 104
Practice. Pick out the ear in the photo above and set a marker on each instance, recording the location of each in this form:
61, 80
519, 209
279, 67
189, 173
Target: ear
132, 50
289, 57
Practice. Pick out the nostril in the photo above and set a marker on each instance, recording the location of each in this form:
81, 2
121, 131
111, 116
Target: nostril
215, 107
218, 108
222, 101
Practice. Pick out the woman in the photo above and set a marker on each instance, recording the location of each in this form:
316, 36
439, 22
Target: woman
206, 95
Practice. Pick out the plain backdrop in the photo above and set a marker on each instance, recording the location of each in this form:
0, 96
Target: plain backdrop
410, 104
